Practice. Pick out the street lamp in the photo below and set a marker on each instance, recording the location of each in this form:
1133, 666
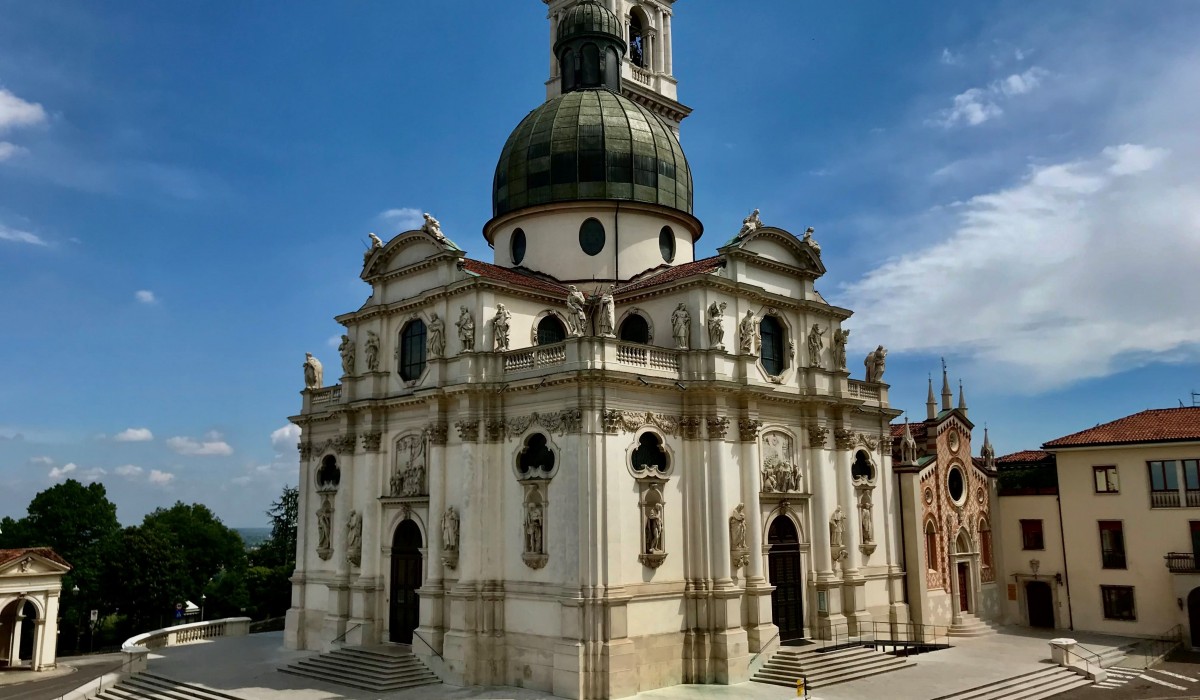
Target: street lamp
202, 599
79, 627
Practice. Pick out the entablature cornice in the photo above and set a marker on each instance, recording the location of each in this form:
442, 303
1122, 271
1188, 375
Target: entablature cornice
454, 289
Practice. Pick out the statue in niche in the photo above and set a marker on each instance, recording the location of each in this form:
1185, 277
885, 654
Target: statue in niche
436, 345
815, 345
372, 348
716, 325
466, 329
608, 312
500, 328
354, 538
450, 530
864, 514
810, 241
433, 227
324, 527
875, 363
409, 477
681, 326
654, 528
746, 333
837, 527
780, 473
737, 527
576, 318
314, 374
346, 350
840, 338
534, 517
750, 224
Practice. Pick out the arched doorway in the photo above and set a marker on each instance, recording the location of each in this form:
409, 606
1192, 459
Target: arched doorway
962, 569
1040, 601
405, 611
783, 566
1193, 603
18, 632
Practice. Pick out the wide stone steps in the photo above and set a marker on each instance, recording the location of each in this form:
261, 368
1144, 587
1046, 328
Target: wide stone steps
367, 669
823, 668
1034, 685
147, 686
971, 626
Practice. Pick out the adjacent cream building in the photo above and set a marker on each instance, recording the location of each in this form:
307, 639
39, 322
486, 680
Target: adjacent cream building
30, 585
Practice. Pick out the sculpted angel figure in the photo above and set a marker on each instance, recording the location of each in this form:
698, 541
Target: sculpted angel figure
500, 328
716, 325
466, 329
746, 333
815, 345
750, 224
346, 349
436, 344
372, 348
433, 227
876, 362
810, 241
681, 326
314, 374
840, 338
576, 318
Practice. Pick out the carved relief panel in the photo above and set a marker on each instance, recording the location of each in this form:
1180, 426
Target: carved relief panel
780, 472
410, 475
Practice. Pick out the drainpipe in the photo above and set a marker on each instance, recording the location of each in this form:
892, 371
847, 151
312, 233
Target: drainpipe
1062, 540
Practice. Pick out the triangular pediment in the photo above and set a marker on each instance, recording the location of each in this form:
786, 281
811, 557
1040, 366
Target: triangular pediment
31, 564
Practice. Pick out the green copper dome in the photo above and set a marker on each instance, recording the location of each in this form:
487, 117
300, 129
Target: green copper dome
588, 145
589, 18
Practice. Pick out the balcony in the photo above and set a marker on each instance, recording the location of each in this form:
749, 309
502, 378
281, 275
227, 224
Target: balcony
1165, 499
535, 358
1181, 563
646, 356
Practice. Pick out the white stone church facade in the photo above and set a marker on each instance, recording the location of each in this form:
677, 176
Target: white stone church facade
596, 465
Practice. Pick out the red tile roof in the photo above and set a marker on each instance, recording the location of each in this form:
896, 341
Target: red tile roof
671, 274
919, 431
1155, 425
7, 555
1024, 456
509, 275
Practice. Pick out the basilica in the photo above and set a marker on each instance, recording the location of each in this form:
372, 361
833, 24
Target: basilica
598, 464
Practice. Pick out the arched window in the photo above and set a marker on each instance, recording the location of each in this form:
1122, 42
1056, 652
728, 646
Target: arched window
771, 332
568, 71
329, 474
412, 350
634, 329
550, 330
591, 64
985, 543
637, 40
862, 468
536, 460
931, 553
650, 456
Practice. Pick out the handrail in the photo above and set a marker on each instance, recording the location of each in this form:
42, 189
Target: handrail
431, 648
342, 637
1157, 647
83, 690
764, 647
1068, 653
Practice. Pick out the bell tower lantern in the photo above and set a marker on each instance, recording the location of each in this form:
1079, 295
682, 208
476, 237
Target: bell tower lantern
646, 71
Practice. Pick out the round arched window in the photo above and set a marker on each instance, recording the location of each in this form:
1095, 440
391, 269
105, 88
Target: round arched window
412, 350
591, 237
956, 484
329, 475
550, 330
666, 243
771, 345
517, 246
862, 469
634, 329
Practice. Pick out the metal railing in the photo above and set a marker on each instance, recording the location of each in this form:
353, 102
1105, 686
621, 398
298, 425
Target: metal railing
891, 637
1089, 659
763, 648
1147, 652
431, 648
342, 637
96, 685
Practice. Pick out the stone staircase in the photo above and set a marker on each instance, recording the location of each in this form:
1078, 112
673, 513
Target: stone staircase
971, 626
826, 667
1034, 685
147, 686
377, 669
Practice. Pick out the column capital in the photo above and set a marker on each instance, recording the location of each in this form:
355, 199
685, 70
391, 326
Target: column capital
843, 438
748, 429
817, 435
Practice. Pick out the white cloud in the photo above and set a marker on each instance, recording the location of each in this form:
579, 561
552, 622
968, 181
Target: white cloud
403, 219
160, 478
71, 470
61, 472
8, 150
15, 112
41, 461
128, 471
950, 58
145, 296
14, 236
978, 105
286, 438
134, 435
1082, 269
194, 448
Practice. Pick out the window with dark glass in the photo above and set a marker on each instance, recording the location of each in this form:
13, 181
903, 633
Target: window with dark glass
666, 243
1118, 602
329, 475
1032, 535
985, 543
1164, 484
955, 484
636, 40
536, 460
635, 329
1191, 475
550, 330
1112, 544
862, 469
650, 454
771, 337
412, 350
591, 237
1106, 479
931, 555
518, 246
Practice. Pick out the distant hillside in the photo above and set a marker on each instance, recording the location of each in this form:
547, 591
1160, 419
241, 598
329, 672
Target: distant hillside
253, 536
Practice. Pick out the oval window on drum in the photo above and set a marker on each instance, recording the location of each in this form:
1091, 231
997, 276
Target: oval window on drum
517, 246
666, 243
591, 237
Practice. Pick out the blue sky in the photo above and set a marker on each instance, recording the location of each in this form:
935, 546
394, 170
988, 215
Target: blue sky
185, 191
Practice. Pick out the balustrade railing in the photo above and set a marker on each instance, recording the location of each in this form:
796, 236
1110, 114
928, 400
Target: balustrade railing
330, 394
642, 76
1181, 562
1193, 498
862, 390
1164, 499
645, 356
532, 358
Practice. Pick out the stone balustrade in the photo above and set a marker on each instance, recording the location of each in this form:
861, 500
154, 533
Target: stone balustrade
644, 356
329, 394
642, 76
534, 358
137, 649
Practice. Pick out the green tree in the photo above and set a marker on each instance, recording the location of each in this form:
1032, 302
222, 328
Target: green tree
147, 578
207, 547
279, 550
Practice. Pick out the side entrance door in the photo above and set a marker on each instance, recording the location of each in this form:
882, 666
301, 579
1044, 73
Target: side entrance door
783, 566
1040, 600
406, 579
964, 595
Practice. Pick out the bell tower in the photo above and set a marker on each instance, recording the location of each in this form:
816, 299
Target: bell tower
647, 76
